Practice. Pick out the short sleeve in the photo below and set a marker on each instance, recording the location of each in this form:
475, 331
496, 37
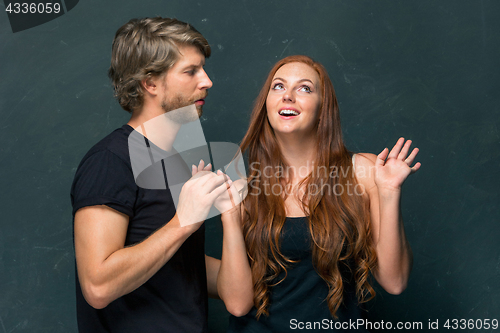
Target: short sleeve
104, 179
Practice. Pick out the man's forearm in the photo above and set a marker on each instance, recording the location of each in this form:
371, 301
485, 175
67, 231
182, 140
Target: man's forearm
128, 268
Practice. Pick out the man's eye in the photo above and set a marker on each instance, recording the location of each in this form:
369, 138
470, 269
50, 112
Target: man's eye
191, 71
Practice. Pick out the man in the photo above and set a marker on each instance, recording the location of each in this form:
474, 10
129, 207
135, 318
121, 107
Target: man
138, 268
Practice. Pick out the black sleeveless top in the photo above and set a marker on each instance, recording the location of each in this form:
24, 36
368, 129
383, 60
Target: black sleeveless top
299, 301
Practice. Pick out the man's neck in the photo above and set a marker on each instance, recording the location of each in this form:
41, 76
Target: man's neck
155, 126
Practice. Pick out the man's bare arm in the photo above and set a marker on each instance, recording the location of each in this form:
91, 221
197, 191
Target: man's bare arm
212, 266
106, 268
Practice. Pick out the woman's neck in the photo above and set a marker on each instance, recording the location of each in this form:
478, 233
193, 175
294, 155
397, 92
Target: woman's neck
299, 153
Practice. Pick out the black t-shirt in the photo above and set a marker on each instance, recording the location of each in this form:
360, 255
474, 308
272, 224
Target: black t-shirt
299, 301
175, 298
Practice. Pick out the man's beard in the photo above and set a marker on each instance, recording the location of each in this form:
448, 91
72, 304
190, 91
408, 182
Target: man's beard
177, 102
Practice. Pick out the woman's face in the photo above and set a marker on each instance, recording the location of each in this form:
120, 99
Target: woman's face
294, 99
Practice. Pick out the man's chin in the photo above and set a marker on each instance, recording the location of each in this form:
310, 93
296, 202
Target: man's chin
185, 114
199, 109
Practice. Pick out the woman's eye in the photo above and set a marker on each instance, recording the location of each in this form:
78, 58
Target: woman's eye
305, 89
278, 86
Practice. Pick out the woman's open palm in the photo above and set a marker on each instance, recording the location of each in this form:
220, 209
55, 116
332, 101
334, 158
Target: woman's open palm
392, 168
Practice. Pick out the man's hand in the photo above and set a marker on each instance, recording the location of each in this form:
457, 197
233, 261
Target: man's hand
230, 200
198, 195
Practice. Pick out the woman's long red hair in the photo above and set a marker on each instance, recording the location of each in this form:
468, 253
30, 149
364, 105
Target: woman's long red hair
339, 224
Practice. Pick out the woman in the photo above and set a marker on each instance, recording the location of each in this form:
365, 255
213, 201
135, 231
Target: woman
317, 220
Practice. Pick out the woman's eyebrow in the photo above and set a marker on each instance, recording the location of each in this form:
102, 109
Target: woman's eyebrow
301, 80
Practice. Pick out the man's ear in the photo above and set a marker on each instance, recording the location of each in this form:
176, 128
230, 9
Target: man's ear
150, 85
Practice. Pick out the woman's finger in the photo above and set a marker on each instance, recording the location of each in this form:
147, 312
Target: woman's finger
409, 160
404, 152
201, 165
416, 167
214, 181
195, 169
221, 190
208, 167
397, 148
382, 156
227, 180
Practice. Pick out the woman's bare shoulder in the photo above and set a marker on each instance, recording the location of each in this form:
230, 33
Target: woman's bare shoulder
364, 169
365, 159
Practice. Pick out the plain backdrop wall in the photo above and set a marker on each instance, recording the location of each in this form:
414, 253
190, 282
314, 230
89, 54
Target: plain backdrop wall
426, 70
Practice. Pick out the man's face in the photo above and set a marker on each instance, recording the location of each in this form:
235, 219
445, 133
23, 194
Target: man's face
186, 82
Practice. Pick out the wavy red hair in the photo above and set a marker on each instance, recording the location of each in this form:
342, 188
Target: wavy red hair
339, 224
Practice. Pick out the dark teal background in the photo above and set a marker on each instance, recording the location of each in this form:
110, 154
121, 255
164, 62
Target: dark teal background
427, 70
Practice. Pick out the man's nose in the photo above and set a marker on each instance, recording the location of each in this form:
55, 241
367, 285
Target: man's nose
205, 82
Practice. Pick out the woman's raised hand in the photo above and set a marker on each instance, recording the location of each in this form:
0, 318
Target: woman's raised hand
392, 168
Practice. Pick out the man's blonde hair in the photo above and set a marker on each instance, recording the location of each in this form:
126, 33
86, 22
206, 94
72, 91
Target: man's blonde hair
145, 48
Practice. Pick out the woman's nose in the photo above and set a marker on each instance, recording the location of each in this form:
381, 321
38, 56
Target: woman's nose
288, 97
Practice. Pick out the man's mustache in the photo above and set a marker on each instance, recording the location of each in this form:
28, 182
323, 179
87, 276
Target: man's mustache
203, 96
